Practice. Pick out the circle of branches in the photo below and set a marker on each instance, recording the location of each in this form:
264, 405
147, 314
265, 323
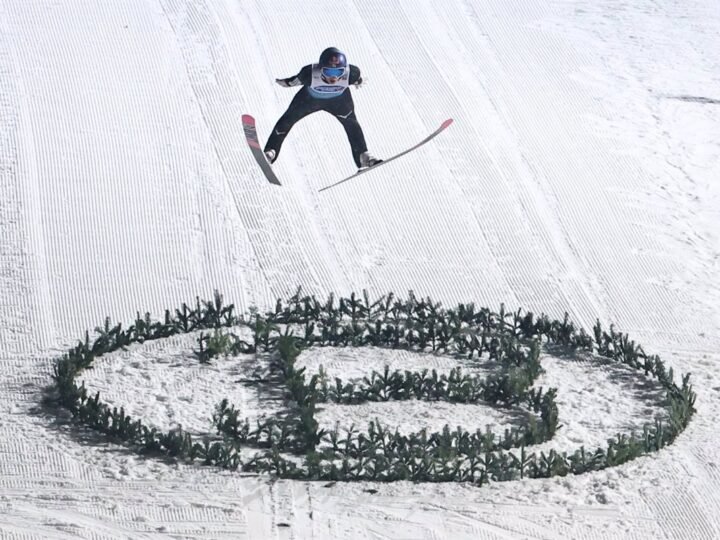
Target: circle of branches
294, 446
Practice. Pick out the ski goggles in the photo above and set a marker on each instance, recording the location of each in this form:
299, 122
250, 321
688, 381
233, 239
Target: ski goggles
336, 72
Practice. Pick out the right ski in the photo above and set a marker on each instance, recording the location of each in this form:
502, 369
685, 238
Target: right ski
254, 144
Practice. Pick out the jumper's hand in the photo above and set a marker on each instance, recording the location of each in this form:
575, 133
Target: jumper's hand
360, 82
283, 83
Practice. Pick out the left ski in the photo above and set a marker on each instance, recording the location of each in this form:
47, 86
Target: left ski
434, 134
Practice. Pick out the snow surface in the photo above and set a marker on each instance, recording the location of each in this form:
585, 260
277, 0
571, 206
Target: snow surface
580, 175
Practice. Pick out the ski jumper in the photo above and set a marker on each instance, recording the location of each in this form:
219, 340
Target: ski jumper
320, 94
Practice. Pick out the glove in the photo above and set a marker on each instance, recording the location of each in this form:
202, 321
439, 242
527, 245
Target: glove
359, 82
283, 83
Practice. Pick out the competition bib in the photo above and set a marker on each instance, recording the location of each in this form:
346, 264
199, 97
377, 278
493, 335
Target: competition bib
322, 88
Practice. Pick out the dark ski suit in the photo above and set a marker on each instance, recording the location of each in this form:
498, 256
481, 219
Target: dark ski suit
309, 100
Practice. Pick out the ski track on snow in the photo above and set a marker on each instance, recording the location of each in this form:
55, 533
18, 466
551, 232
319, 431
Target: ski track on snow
579, 175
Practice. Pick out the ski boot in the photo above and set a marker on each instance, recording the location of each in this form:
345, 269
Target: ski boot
367, 160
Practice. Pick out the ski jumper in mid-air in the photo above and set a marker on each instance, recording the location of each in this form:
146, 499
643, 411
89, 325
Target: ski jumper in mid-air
325, 87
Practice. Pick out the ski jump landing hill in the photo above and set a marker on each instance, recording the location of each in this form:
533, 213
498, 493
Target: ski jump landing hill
579, 176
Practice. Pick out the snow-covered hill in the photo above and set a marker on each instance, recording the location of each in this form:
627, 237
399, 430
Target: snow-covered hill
580, 175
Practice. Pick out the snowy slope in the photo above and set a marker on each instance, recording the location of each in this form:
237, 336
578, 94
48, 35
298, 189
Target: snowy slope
580, 175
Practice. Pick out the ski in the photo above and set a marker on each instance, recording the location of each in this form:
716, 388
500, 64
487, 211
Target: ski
434, 134
254, 144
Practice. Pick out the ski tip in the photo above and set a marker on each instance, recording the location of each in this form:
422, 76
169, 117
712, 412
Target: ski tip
247, 119
446, 123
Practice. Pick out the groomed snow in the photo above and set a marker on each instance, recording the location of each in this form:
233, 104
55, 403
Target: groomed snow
580, 176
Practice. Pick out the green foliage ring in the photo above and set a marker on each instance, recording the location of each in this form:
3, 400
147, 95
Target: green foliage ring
295, 446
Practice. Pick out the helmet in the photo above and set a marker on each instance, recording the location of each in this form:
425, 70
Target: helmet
333, 62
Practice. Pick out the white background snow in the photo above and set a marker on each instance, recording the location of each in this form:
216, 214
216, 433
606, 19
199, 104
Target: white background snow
581, 175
